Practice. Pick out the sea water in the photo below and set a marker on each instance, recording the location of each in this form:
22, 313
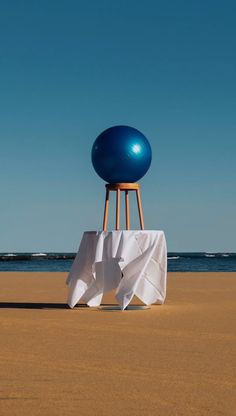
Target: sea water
62, 262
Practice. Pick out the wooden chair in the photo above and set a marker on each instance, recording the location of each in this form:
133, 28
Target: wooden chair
125, 187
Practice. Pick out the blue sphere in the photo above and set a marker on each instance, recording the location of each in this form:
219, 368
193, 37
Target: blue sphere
121, 154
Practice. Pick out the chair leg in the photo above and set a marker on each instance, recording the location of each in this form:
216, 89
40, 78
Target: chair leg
106, 211
140, 209
118, 209
127, 210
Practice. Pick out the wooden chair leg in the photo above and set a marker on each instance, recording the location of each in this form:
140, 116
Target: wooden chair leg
118, 209
140, 209
127, 210
106, 211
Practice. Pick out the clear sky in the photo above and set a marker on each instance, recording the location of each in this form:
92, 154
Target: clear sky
70, 69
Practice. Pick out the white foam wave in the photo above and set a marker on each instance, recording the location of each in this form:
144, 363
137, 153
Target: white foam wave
173, 258
209, 255
9, 255
225, 255
38, 254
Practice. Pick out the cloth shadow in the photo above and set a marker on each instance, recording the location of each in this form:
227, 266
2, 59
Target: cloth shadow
36, 305
46, 305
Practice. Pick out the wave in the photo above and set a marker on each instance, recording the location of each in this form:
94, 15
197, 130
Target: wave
173, 258
36, 256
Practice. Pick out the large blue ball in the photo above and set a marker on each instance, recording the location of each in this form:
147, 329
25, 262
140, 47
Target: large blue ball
121, 154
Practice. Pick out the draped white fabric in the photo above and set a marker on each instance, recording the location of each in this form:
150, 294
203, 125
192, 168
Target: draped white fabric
132, 262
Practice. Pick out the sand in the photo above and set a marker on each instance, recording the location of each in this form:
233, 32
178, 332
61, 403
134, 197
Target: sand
174, 359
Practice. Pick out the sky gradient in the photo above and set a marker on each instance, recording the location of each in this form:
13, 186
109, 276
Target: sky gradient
69, 70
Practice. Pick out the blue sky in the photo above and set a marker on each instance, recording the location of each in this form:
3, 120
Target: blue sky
70, 69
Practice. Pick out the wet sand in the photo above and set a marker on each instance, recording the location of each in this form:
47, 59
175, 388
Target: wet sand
174, 359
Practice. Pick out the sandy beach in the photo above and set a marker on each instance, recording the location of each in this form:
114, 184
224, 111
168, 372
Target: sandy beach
174, 359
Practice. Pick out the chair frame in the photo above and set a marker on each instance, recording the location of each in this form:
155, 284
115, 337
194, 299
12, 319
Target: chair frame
118, 188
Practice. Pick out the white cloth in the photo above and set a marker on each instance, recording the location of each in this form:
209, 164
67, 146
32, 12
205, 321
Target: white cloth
132, 262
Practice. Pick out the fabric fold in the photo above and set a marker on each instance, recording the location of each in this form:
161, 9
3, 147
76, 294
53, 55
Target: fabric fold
131, 262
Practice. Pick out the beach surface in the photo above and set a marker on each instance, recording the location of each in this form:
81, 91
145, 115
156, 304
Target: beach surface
175, 359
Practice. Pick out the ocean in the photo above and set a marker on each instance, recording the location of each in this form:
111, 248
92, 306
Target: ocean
62, 262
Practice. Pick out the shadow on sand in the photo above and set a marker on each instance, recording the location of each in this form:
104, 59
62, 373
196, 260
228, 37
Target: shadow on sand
36, 305
45, 305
